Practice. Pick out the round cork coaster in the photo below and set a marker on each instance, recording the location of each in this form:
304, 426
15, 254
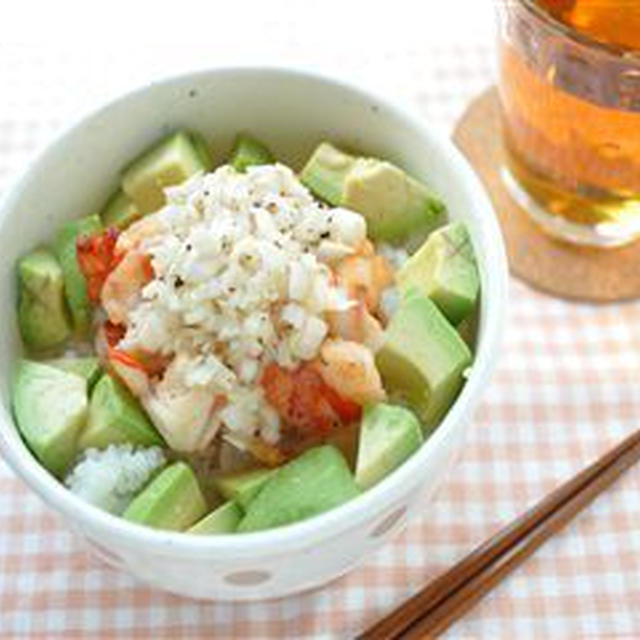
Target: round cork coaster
570, 271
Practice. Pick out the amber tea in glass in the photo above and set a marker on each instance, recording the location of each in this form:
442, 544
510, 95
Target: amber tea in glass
570, 93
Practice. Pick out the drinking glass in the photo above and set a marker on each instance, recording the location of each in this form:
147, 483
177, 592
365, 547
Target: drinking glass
570, 93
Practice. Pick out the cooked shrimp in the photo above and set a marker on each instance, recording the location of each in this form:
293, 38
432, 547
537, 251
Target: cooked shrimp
366, 248
140, 230
184, 417
373, 333
305, 401
356, 324
124, 284
97, 258
349, 367
365, 277
187, 417
130, 372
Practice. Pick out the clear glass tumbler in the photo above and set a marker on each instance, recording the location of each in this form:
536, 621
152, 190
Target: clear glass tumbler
570, 93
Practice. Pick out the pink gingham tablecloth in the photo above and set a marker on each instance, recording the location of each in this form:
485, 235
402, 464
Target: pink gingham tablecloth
566, 390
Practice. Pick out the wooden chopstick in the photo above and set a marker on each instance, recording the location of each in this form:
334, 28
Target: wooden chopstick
444, 600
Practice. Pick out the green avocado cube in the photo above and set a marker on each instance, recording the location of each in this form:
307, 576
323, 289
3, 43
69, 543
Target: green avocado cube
119, 211
388, 436
394, 204
87, 368
316, 481
249, 152
169, 162
326, 171
422, 359
445, 269
116, 417
172, 500
75, 284
243, 486
42, 310
50, 408
224, 519
202, 149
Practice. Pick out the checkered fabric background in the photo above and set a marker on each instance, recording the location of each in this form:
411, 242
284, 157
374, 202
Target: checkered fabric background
566, 390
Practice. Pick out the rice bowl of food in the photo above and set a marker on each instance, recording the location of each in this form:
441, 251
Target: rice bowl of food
250, 329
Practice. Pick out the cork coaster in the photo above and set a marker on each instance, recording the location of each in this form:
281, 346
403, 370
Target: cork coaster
569, 271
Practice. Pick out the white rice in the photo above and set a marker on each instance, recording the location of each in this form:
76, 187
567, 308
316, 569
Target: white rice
111, 478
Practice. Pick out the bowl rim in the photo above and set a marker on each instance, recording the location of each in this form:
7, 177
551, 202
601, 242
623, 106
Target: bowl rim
384, 495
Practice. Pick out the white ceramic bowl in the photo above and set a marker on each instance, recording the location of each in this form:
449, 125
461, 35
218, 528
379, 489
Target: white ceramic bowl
291, 111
